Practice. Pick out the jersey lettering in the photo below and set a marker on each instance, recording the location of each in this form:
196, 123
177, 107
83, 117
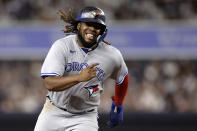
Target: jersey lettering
100, 74
76, 66
82, 66
68, 67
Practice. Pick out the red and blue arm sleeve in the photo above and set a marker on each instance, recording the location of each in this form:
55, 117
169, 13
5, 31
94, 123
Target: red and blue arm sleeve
120, 91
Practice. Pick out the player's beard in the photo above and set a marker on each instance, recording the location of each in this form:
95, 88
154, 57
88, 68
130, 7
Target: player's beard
84, 43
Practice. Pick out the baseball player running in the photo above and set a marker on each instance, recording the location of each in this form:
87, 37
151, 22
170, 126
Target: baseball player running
73, 72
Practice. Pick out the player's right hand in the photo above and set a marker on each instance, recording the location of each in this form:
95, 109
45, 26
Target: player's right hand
88, 73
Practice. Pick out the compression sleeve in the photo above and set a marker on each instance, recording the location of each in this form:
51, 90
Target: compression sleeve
121, 90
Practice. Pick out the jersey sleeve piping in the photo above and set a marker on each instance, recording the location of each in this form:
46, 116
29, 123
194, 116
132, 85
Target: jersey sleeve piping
49, 74
118, 83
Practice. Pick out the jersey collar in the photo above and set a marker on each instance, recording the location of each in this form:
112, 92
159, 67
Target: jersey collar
86, 50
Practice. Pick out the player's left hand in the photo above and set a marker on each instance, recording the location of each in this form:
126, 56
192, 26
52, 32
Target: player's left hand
116, 115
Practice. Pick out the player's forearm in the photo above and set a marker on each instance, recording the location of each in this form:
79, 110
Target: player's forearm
121, 90
58, 83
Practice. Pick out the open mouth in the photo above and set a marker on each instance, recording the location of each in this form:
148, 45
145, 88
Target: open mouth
89, 36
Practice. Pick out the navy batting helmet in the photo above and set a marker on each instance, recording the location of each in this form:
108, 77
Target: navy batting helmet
95, 15
91, 14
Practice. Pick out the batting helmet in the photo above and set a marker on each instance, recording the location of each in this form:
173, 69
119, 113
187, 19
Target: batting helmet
91, 14
95, 15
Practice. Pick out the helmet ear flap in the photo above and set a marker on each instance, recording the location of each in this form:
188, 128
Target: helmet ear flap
102, 36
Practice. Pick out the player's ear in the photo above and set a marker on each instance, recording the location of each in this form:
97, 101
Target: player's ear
78, 25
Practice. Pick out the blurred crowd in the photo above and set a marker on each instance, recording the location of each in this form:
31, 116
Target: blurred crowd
21, 88
45, 10
162, 86
155, 86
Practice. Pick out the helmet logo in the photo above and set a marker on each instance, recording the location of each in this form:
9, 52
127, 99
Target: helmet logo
95, 13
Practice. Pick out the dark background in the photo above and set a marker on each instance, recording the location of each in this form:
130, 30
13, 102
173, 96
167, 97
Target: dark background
132, 121
158, 40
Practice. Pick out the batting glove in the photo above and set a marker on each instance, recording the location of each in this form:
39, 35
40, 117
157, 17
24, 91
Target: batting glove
116, 115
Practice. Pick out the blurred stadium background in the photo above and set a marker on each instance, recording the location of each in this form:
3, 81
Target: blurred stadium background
158, 39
